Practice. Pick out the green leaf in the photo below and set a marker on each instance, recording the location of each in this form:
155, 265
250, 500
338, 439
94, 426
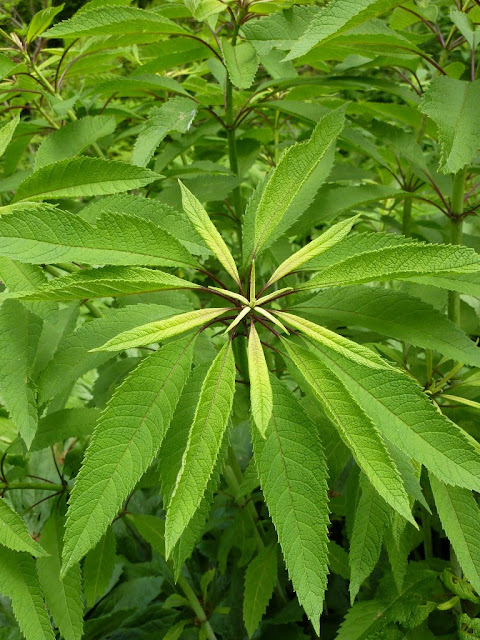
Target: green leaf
63, 597
261, 395
74, 357
260, 580
407, 260
161, 329
291, 186
466, 27
51, 235
106, 21
241, 61
83, 177
67, 423
72, 139
105, 282
394, 314
18, 276
98, 568
19, 582
405, 416
205, 227
452, 105
372, 517
6, 133
353, 425
125, 441
175, 115
41, 21
328, 239
460, 517
293, 476
151, 528
205, 441
335, 18
14, 533
17, 325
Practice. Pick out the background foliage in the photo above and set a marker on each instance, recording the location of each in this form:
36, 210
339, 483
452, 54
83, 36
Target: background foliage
299, 445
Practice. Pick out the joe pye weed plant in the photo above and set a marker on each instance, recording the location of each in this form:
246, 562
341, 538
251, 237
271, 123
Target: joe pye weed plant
238, 328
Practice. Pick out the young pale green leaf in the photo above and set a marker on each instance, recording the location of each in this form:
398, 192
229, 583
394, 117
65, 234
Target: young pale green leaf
14, 533
460, 517
107, 21
453, 105
72, 139
19, 582
241, 61
17, 328
372, 516
356, 352
105, 282
51, 235
74, 357
83, 177
261, 395
63, 597
126, 439
407, 260
391, 313
41, 21
260, 580
205, 227
161, 329
466, 27
204, 444
291, 186
405, 416
293, 476
335, 18
353, 425
6, 133
328, 239
175, 115
98, 568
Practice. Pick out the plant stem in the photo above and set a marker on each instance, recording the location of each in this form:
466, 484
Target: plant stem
456, 224
39, 486
196, 606
232, 144
407, 217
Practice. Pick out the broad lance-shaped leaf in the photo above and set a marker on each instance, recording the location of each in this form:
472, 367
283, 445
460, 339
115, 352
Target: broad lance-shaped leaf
261, 395
291, 186
126, 439
293, 476
14, 533
205, 227
17, 327
175, 115
6, 133
405, 261
405, 416
19, 276
50, 235
328, 239
106, 21
105, 282
335, 18
204, 444
460, 517
348, 348
63, 596
453, 105
72, 139
241, 61
260, 580
98, 568
161, 329
372, 516
83, 177
19, 582
391, 313
353, 425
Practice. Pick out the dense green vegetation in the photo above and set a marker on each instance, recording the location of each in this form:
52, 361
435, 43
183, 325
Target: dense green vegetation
239, 372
